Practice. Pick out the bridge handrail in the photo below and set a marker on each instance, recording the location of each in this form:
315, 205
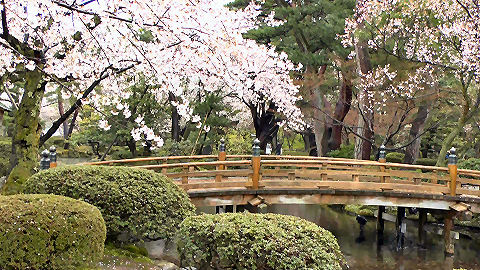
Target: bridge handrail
196, 164
165, 159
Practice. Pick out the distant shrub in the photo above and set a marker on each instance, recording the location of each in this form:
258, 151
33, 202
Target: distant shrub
470, 164
395, 157
141, 203
5, 152
256, 241
120, 154
345, 151
239, 142
426, 161
49, 232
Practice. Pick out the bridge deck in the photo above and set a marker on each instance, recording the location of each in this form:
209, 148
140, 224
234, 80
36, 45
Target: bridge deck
314, 180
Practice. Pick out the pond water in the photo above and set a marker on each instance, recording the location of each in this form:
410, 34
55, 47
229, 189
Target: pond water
365, 254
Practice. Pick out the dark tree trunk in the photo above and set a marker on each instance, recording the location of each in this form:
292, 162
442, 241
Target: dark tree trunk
341, 109
418, 125
265, 123
175, 119
132, 146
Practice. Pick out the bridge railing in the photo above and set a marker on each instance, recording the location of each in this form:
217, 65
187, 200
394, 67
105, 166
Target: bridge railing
269, 171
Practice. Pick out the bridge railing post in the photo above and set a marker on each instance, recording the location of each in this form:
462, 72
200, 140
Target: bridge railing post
452, 169
222, 156
256, 163
382, 158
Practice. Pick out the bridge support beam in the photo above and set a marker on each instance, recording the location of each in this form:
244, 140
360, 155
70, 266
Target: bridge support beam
401, 227
422, 220
380, 224
447, 235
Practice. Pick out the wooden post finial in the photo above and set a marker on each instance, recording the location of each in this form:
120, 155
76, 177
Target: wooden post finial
222, 147
45, 160
382, 153
256, 147
53, 157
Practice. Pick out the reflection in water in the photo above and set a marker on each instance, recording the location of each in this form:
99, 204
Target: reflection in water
362, 251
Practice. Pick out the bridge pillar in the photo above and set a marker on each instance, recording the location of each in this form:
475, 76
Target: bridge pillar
422, 220
222, 156
401, 227
380, 224
447, 235
256, 163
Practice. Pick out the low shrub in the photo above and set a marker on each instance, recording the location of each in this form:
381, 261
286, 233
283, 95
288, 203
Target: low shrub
470, 164
395, 157
345, 151
256, 241
120, 154
139, 203
49, 232
426, 161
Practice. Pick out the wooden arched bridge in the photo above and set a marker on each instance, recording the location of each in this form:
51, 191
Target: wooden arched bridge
219, 180
237, 179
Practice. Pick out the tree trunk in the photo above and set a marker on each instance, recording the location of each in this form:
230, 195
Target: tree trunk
363, 147
25, 140
70, 129
132, 146
61, 111
319, 118
175, 119
341, 109
418, 125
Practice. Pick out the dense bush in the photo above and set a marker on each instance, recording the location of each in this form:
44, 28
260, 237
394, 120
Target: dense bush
141, 203
395, 157
345, 151
256, 241
49, 232
470, 164
426, 161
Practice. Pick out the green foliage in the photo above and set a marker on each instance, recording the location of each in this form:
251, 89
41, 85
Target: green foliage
309, 32
395, 157
345, 151
173, 148
470, 164
239, 142
256, 241
49, 232
426, 161
120, 153
141, 203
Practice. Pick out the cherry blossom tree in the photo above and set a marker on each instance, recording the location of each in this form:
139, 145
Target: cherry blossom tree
99, 45
444, 35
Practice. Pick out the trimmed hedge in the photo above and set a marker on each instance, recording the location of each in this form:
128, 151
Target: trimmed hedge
256, 241
49, 232
395, 157
142, 204
426, 161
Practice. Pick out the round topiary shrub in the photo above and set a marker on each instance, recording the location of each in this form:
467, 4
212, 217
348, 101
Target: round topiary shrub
139, 203
256, 241
49, 232
395, 157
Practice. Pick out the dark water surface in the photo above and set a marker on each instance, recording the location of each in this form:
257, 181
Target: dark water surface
367, 255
